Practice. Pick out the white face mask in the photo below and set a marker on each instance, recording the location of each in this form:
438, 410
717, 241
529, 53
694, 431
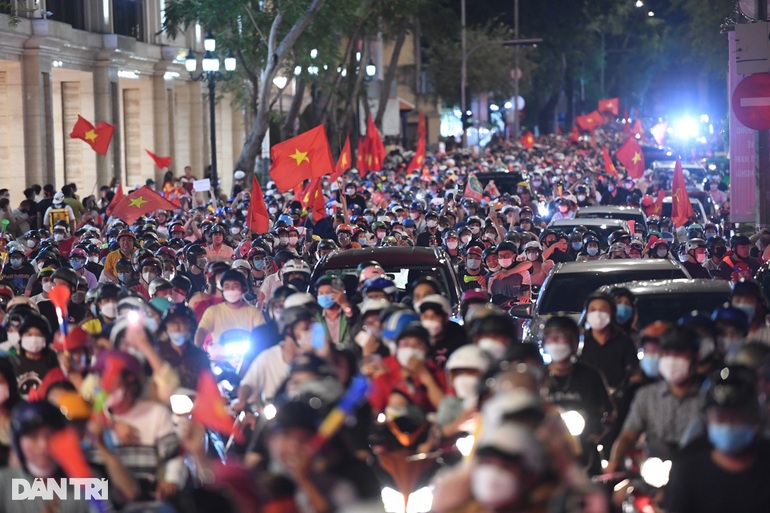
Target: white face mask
109, 310
404, 354
33, 343
232, 296
674, 369
466, 386
505, 262
559, 352
473, 263
31, 243
148, 277
465, 239
493, 486
235, 231
451, 244
662, 252
283, 241
592, 250
532, 256
433, 326
598, 320
293, 240
474, 229
431, 223
493, 347
47, 286
414, 215
58, 237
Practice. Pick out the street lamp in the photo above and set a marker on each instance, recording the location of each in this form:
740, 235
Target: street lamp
211, 74
280, 82
371, 69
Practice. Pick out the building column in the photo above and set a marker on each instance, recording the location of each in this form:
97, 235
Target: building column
107, 108
160, 118
38, 117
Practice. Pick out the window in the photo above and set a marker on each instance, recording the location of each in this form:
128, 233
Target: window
67, 11
127, 18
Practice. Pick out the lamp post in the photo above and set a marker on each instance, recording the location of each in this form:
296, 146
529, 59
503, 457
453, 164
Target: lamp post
211, 74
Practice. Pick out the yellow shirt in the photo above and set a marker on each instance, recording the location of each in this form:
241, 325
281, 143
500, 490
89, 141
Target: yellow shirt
220, 318
112, 259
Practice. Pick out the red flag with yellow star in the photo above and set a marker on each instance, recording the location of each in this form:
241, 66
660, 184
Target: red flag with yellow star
160, 162
344, 162
419, 154
631, 156
313, 199
589, 121
609, 167
115, 199
140, 202
609, 105
375, 154
257, 218
528, 141
681, 208
300, 158
209, 408
97, 137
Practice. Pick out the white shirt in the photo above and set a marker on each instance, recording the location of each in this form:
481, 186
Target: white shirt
266, 374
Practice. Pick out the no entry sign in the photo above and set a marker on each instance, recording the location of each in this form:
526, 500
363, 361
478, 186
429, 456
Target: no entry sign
751, 101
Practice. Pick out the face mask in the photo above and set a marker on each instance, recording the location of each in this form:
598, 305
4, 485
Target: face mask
700, 258
272, 210
532, 255
293, 241
148, 277
675, 370
414, 215
109, 310
662, 252
474, 229
47, 286
749, 310
369, 218
16, 262
577, 246
283, 241
305, 341
581, 197
58, 237
326, 301
31, 243
559, 352
649, 365
493, 486
490, 235
124, 277
4, 393
505, 263
235, 231
350, 191
537, 184
563, 209
77, 264
731, 438
32, 343
624, 313
592, 250
362, 241
495, 268
710, 235
431, 224
493, 347
466, 387
598, 320
380, 235
465, 239
404, 354
79, 297
473, 263
610, 188
232, 296
433, 326
114, 398
178, 338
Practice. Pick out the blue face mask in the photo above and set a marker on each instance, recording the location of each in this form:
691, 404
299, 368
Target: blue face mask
178, 338
731, 438
749, 310
124, 277
16, 262
624, 313
259, 265
577, 246
649, 365
77, 264
325, 301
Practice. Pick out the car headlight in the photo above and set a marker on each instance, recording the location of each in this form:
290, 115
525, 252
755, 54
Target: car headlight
574, 421
420, 501
655, 472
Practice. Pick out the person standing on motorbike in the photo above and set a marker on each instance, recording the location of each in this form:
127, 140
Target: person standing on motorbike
731, 471
747, 295
464, 370
663, 410
513, 280
471, 274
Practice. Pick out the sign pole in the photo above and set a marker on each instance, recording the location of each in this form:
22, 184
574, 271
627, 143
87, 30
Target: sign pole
763, 153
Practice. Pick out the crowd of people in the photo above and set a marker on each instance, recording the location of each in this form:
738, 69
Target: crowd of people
107, 327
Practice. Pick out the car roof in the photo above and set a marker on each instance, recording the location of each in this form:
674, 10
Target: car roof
389, 257
589, 221
679, 285
610, 208
672, 163
620, 264
668, 199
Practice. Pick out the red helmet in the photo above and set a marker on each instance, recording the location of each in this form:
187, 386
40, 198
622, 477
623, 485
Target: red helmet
77, 338
79, 252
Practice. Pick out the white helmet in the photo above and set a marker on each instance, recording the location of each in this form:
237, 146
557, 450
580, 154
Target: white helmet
295, 265
468, 356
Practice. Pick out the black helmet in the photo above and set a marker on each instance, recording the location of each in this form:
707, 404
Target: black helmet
733, 386
27, 417
193, 252
108, 291
506, 245
183, 311
563, 322
234, 275
750, 288
497, 323
68, 275
739, 240
327, 245
414, 329
291, 316
680, 338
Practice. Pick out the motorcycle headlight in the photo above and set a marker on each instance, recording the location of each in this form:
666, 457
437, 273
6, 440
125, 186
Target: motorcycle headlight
420, 501
181, 404
655, 472
574, 421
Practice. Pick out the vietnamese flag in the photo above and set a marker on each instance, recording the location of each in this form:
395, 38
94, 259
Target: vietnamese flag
419, 154
344, 162
681, 208
609, 167
140, 202
659, 132
64, 446
574, 135
589, 121
376, 149
631, 156
209, 408
609, 105
300, 158
97, 137
115, 200
657, 210
160, 162
313, 199
528, 141
257, 219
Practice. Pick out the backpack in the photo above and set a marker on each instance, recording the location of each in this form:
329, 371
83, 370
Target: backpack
57, 214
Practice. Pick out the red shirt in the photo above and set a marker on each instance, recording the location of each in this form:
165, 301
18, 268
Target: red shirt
383, 385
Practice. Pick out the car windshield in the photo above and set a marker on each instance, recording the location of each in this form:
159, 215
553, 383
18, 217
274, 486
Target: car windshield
603, 231
670, 307
695, 208
401, 276
566, 292
626, 216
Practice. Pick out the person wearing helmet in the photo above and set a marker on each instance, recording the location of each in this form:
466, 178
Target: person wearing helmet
636, 249
664, 409
76, 313
161, 287
533, 252
591, 250
150, 269
35, 356
472, 273
46, 283
234, 313
212, 294
513, 280
650, 351
748, 296
271, 367
274, 280
126, 249
715, 251
218, 251
195, 263
379, 287
78, 260
344, 237
464, 370
729, 472
338, 316
732, 326
446, 336
175, 345
18, 270
738, 263
258, 258
451, 243
125, 273
695, 251
104, 310
410, 364
146, 442
368, 331
431, 236
74, 352
296, 273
